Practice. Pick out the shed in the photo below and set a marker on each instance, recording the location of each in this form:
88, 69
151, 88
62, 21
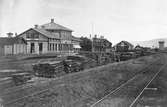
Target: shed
12, 45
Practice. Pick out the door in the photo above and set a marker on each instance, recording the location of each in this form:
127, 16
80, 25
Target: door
40, 47
32, 49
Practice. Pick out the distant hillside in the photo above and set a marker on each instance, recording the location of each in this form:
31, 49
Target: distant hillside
150, 43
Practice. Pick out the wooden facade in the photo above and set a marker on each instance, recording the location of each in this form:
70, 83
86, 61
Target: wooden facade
48, 38
12, 46
101, 45
123, 46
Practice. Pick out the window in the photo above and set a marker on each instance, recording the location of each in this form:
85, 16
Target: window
53, 47
50, 47
32, 35
36, 36
59, 46
27, 35
32, 48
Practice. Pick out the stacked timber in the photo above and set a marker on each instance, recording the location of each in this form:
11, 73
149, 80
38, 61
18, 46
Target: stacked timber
44, 70
70, 65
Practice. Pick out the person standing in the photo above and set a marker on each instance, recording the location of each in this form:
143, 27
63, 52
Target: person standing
66, 66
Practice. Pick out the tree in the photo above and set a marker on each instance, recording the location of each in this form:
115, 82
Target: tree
86, 44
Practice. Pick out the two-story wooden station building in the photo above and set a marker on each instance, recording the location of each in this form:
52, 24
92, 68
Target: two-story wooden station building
49, 38
101, 45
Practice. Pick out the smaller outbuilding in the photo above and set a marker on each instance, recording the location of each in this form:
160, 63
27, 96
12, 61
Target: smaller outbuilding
12, 46
161, 45
123, 46
138, 47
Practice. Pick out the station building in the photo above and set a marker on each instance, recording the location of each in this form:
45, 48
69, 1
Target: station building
50, 38
101, 44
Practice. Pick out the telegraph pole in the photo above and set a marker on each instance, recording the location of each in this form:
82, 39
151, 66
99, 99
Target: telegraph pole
92, 35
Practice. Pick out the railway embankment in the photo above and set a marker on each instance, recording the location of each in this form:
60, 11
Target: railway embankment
83, 88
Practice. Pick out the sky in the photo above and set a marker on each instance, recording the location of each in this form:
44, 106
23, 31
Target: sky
116, 20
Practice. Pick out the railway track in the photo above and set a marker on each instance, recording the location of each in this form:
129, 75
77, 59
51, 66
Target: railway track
36, 92
108, 100
132, 104
152, 94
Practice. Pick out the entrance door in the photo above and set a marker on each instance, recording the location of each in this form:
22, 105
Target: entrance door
40, 47
32, 49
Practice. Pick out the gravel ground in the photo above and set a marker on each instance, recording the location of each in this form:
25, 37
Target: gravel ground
155, 97
83, 88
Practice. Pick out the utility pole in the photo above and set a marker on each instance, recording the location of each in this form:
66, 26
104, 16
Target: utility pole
92, 36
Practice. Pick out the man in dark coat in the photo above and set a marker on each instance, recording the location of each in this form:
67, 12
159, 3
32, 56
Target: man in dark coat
66, 66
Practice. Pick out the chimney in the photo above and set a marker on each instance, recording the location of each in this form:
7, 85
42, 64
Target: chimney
36, 26
10, 34
102, 37
15, 34
52, 20
95, 36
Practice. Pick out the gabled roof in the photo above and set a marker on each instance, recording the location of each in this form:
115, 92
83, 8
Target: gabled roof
11, 41
125, 43
102, 40
75, 38
46, 33
43, 32
44, 29
53, 26
107, 41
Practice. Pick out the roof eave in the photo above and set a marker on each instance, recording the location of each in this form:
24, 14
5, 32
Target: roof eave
60, 30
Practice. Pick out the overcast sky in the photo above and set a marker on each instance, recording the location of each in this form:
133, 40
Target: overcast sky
131, 20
